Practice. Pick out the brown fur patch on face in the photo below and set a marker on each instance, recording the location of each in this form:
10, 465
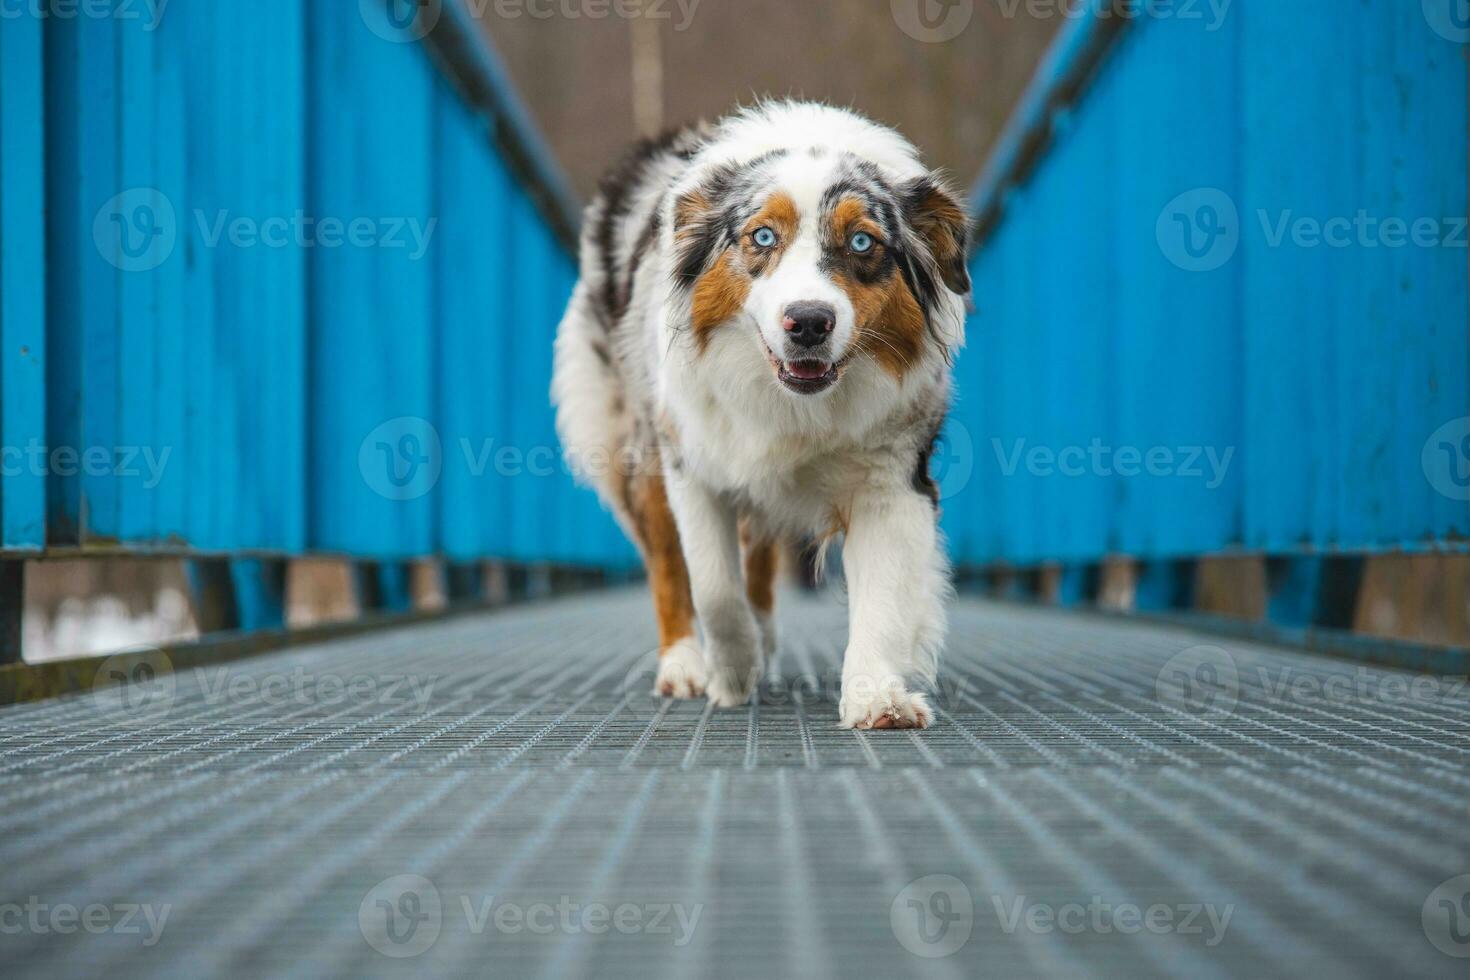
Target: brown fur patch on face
718, 295
779, 215
720, 291
890, 324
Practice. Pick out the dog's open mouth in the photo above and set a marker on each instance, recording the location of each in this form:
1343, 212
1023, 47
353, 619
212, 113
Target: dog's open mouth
806, 377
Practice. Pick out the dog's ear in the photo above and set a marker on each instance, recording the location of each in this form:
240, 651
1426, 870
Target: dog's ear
699, 228
937, 217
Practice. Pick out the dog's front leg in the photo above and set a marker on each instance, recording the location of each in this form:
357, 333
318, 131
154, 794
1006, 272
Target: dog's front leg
897, 583
708, 528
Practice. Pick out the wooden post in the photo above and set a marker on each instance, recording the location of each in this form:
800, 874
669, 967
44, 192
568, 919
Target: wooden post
12, 609
213, 585
465, 583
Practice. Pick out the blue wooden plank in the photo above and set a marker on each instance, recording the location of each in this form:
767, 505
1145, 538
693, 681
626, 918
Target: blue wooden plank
471, 188
371, 349
128, 232
522, 385
133, 359
1313, 590
1297, 380
1176, 327
1164, 584
1078, 585
22, 287
260, 592
384, 586
69, 250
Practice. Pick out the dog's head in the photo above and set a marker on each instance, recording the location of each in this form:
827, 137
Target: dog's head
818, 235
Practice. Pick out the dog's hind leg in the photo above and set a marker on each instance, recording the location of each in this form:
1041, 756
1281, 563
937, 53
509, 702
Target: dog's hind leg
681, 669
760, 557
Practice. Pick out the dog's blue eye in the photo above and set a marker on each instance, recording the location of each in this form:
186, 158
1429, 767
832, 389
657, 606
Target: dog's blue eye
861, 242
764, 237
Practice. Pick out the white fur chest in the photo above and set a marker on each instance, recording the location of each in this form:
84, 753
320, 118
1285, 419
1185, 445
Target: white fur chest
795, 460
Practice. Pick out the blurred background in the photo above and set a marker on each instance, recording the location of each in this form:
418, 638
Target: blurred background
593, 76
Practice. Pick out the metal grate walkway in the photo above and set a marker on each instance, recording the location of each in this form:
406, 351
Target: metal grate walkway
1097, 797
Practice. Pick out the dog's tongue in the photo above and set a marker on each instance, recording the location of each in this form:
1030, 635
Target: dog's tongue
808, 370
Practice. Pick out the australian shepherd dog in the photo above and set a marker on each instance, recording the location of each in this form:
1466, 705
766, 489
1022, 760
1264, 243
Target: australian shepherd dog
759, 349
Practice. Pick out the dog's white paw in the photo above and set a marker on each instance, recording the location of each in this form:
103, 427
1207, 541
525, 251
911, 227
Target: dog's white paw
890, 707
728, 689
732, 680
681, 672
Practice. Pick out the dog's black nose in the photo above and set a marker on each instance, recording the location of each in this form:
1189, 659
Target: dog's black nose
808, 324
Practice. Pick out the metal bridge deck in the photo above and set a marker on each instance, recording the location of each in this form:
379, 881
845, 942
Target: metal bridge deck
1097, 797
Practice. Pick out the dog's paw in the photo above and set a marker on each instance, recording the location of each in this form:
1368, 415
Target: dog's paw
732, 688
889, 708
681, 672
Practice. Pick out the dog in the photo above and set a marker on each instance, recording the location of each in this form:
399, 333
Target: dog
759, 348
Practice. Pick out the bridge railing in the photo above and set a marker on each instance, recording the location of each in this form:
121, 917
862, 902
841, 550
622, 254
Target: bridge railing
1221, 291
279, 280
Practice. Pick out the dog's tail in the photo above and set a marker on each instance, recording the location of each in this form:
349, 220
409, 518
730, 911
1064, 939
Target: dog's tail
593, 420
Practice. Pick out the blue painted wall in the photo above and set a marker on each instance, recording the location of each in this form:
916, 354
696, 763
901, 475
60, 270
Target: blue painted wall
267, 286
1317, 375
